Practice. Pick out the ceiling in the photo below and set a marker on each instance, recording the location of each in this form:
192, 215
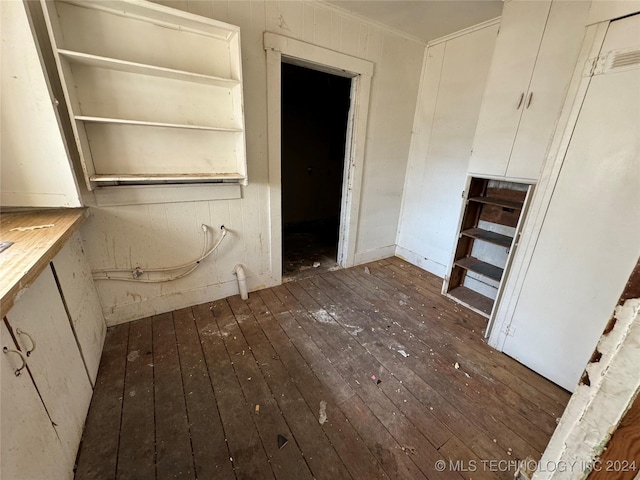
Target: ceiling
424, 19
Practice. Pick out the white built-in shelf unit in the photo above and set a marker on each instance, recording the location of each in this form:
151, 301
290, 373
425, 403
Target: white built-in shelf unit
154, 94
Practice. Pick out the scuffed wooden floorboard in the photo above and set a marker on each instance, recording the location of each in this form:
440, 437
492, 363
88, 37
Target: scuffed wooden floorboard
204, 392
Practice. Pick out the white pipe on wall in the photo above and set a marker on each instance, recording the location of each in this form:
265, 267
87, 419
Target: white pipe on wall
242, 281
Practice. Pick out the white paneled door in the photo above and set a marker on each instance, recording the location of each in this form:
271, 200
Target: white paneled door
590, 238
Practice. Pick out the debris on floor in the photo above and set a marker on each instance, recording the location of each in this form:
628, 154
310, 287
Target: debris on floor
403, 353
316, 264
373, 377
378, 382
257, 410
457, 366
526, 469
133, 355
282, 441
322, 417
367, 271
411, 450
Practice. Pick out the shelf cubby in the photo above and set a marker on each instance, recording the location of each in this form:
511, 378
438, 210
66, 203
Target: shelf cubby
123, 121
155, 93
97, 61
489, 223
489, 236
478, 266
499, 202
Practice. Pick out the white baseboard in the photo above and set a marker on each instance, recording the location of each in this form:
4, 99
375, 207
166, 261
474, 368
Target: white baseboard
375, 254
421, 262
174, 301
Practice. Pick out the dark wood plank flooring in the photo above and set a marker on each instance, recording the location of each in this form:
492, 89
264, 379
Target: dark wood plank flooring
205, 392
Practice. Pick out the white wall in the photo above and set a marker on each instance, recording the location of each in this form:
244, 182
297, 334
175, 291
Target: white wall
168, 234
35, 168
451, 89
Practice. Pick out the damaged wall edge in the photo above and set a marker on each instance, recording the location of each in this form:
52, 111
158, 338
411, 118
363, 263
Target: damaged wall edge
596, 409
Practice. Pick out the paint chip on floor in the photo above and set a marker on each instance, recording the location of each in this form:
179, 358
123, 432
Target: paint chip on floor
322, 417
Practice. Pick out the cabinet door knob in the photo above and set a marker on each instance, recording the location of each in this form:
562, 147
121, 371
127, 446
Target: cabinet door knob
17, 371
530, 98
33, 343
520, 101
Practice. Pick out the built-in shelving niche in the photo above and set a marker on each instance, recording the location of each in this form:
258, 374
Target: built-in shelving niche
491, 219
154, 94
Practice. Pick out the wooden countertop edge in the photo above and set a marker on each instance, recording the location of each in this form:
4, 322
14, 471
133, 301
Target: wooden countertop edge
8, 299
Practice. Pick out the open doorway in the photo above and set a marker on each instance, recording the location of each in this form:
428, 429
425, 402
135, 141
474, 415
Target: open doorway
315, 113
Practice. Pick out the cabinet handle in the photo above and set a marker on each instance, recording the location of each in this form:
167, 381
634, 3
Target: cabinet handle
530, 98
17, 371
33, 343
520, 101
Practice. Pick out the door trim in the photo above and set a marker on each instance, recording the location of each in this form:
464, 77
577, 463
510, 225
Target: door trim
281, 49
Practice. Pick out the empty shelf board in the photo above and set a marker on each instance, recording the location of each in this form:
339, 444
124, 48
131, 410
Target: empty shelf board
500, 202
483, 268
487, 236
472, 299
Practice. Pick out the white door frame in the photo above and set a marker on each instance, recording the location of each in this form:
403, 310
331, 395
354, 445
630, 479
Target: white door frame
322, 59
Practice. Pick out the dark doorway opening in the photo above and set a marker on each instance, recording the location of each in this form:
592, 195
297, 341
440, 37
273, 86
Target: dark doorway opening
315, 111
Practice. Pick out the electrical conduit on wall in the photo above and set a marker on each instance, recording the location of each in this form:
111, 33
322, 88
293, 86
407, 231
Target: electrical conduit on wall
170, 272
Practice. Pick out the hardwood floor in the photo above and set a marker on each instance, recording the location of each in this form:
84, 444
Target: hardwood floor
368, 373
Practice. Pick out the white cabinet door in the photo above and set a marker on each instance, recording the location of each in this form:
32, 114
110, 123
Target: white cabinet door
55, 362
29, 121
29, 448
590, 239
82, 301
559, 50
513, 62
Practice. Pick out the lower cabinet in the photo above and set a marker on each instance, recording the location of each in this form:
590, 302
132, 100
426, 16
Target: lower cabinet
81, 299
30, 448
44, 410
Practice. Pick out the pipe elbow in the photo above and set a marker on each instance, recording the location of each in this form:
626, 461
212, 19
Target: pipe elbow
242, 281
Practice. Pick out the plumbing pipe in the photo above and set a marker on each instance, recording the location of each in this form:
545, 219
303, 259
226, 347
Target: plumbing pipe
103, 274
242, 281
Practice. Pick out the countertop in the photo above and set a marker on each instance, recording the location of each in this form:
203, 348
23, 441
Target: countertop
32, 249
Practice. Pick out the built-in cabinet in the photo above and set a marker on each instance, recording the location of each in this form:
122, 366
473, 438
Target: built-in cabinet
439, 154
587, 239
52, 340
30, 448
534, 58
533, 61
488, 231
154, 94
29, 129
74, 278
